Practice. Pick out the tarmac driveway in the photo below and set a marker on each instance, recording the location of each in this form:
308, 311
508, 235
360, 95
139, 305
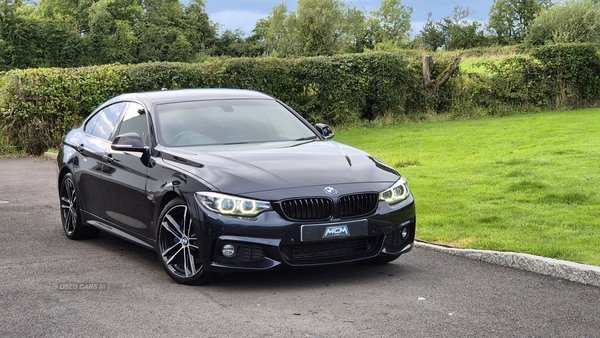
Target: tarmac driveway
52, 286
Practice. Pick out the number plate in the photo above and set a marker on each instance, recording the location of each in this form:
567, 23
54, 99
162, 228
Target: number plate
317, 232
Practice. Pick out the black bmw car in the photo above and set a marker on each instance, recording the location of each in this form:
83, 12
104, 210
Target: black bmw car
222, 180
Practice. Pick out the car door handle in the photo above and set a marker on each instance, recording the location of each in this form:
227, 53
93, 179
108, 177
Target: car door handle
80, 148
108, 158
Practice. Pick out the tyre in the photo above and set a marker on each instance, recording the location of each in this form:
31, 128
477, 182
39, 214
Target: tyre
177, 245
70, 211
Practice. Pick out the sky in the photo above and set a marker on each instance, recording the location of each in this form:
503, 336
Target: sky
243, 14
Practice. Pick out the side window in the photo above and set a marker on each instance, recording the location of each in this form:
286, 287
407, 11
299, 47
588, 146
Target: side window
135, 121
106, 121
89, 126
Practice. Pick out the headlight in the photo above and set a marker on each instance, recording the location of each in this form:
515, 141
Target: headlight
397, 193
232, 205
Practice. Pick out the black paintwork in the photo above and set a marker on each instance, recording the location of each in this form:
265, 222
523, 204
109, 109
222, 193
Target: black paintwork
123, 191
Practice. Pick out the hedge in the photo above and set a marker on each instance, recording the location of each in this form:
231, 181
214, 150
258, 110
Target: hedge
39, 106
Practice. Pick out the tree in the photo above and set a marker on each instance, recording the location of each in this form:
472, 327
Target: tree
70, 33
259, 35
463, 33
465, 36
180, 50
158, 29
62, 44
433, 35
510, 19
21, 35
569, 21
197, 28
78, 9
318, 26
390, 24
278, 32
232, 43
163, 12
65, 26
170, 31
111, 35
355, 38
453, 32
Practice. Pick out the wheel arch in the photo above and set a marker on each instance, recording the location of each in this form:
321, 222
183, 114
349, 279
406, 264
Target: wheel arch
61, 175
168, 197
160, 205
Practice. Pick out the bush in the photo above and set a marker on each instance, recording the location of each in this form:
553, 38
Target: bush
38, 106
562, 76
566, 22
574, 71
513, 84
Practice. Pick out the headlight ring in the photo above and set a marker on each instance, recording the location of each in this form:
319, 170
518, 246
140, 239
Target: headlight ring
232, 205
396, 193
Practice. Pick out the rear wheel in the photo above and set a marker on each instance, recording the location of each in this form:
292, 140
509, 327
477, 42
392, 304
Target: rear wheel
178, 248
70, 212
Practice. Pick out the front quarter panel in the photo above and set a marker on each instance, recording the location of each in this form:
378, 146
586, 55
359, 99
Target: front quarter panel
166, 182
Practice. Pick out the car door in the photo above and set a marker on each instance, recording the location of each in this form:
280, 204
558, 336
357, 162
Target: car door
124, 179
97, 132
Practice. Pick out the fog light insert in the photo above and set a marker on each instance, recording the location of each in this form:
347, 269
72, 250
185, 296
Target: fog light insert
228, 251
404, 233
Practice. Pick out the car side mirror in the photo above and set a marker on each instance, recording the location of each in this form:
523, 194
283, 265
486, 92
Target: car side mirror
325, 130
129, 142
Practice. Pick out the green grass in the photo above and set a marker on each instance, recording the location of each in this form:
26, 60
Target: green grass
472, 62
526, 183
475, 64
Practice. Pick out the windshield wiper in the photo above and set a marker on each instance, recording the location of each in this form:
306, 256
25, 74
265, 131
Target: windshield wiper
306, 138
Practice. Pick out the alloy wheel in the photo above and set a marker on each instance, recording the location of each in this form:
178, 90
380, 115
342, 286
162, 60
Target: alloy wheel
178, 243
68, 205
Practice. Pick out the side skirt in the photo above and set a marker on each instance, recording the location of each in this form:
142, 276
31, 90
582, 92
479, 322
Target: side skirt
118, 233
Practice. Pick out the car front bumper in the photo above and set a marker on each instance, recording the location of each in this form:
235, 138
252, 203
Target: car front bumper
269, 241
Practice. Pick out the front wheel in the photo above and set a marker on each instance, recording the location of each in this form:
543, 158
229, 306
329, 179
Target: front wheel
178, 248
70, 211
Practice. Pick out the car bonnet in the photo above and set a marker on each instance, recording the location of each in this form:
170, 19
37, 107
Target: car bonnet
248, 168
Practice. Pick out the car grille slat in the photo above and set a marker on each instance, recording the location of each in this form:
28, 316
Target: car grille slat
307, 208
357, 205
323, 208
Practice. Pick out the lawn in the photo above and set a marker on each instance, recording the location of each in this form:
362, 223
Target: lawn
475, 65
526, 183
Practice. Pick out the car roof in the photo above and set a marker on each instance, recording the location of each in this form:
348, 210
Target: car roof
182, 95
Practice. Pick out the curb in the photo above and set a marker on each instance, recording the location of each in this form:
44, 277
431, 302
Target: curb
52, 156
575, 272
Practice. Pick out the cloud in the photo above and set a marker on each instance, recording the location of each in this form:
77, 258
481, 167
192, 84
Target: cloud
232, 19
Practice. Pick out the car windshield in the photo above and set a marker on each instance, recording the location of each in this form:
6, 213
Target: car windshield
196, 123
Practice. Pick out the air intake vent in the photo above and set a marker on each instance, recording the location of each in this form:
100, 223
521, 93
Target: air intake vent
331, 249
